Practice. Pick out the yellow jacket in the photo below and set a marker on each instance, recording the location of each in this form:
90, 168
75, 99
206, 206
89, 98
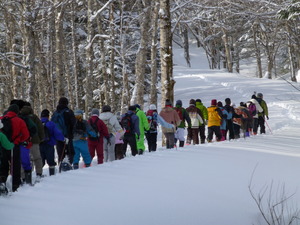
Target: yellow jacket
214, 118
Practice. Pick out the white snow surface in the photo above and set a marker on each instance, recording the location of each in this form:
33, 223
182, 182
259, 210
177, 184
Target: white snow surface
201, 184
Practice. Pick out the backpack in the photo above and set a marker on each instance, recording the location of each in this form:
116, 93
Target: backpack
252, 109
7, 127
95, 128
31, 126
152, 119
127, 123
59, 119
79, 127
180, 113
46, 132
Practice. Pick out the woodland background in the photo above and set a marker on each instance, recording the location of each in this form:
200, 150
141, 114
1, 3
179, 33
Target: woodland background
119, 52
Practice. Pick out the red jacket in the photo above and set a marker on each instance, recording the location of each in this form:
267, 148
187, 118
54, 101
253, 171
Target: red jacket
20, 132
102, 129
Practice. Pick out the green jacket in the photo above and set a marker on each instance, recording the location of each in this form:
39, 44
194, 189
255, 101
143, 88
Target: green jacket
203, 109
5, 143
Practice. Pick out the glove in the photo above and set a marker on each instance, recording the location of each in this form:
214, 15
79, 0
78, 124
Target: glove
267, 117
66, 141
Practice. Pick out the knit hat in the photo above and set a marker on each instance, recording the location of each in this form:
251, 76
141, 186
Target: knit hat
198, 100
220, 104
106, 108
95, 112
137, 106
168, 102
78, 112
152, 107
259, 95
192, 102
63, 101
1, 124
13, 108
179, 102
214, 102
45, 113
227, 101
132, 108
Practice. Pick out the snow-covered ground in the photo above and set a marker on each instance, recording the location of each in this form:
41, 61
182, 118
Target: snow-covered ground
204, 184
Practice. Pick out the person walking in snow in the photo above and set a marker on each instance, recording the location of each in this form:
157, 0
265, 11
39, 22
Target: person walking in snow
52, 135
203, 110
185, 119
113, 126
81, 131
170, 116
259, 109
196, 120
130, 123
144, 126
214, 121
262, 115
224, 120
229, 124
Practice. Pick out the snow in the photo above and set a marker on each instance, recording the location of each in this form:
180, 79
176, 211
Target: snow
204, 184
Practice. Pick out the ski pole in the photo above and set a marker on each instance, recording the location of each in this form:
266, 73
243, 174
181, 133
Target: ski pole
60, 159
268, 126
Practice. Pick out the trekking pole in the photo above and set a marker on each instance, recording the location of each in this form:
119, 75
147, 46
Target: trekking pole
60, 159
268, 126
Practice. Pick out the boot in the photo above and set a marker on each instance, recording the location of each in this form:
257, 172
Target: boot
140, 152
52, 170
75, 166
181, 143
28, 177
87, 165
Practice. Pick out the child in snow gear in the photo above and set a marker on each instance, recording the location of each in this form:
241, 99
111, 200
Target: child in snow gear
97, 145
214, 121
19, 134
47, 145
170, 116
64, 119
259, 109
81, 131
262, 115
229, 125
144, 126
185, 118
130, 123
203, 110
196, 119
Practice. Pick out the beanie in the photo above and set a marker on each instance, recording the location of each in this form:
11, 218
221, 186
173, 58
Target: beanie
137, 106
220, 104
95, 112
78, 112
179, 102
13, 108
152, 107
214, 102
259, 95
106, 108
198, 100
63, 101
192, 102
45, 113
168, 102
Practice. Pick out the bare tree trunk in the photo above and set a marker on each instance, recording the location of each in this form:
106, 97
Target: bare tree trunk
153, 90
227, 52
51, 96
257, 51
112, 100
185, 40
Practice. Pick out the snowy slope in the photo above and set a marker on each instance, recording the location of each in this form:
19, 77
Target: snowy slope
205, 184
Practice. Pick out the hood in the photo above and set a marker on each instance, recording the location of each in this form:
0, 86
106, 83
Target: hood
105, 115
199, 104
26, 110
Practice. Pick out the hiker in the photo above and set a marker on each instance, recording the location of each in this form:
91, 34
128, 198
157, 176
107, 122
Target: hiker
229, 125
130, 122
81, 131
259, 109
119, 140
196, 120
225, 115
64, 119
18, 134
154, 119
185, 119
144, 126
113, 126
262, 115
246, 119
52, 135
170, 116
214, 121
203, 110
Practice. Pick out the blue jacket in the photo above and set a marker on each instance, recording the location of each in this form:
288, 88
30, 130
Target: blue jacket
135, 122
54, 133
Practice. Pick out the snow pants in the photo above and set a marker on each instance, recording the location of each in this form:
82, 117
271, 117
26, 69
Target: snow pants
179, 134
96, 146
152, 141
47, 154
140, 142
229, 127
193, 134
119, 151
170, 140
109, 149
202, 133
214, 130
81, 148
25, 158
65, 149
131, 140
35, 156
261, 124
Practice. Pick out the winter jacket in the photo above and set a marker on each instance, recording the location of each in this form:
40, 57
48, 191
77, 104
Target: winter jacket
143, 121
170, 116
135, 122
40, 135
264, 106
259, 109
224, 118
83, 134
102, 128
194, 114
54, 133
230, 111
69, 119
214, 116
184, 116
152, 114
5, 143
111, 121
20, 132
245, 117
203, 110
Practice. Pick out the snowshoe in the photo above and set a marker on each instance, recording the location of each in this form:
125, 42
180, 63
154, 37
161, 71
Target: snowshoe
65, 165
3, 189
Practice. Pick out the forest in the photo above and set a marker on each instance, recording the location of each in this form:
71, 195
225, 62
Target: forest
119, 52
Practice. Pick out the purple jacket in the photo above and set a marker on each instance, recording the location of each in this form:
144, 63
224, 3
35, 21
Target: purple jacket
54, 133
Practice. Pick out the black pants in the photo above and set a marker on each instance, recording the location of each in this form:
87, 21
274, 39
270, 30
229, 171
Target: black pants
63, 150
229, 127
214, 130
202, 134
152, 141
131, 140
47, 154
261, 124
193, 135
6, 165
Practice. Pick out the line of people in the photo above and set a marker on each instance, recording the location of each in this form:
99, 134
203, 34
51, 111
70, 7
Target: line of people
32, 140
